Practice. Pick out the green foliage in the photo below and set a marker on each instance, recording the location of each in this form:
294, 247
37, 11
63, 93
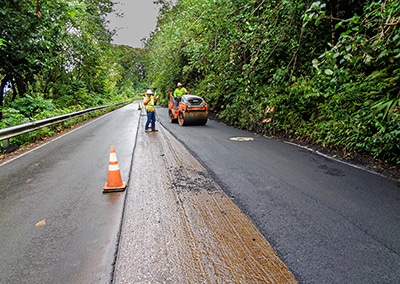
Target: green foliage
324, 71
30, 106
56, 56
12, 117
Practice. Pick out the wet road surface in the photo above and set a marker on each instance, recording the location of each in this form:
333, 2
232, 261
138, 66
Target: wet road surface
180, 227
328, 221
56, 225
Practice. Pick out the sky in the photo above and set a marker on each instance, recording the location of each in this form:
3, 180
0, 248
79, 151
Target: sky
139, 20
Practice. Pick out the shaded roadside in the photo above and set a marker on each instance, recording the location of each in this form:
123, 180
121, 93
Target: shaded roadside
360, 160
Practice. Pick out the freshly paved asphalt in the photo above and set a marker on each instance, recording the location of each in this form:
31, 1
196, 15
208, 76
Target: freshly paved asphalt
328, 221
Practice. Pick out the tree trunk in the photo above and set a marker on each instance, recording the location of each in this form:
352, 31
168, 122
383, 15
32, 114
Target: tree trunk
2, 87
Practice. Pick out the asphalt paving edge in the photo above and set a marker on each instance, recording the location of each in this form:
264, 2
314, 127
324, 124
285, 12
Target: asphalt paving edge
119, 235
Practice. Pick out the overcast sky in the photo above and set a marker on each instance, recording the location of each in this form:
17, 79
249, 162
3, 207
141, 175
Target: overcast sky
140, 17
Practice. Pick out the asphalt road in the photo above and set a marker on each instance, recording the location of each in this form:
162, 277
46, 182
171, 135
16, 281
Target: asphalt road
180, 227
328, 221
61, 184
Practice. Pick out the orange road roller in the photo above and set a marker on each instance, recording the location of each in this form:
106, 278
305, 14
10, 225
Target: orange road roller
190, 110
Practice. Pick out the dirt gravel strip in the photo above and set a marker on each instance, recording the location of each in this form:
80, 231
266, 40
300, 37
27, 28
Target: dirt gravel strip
180, 227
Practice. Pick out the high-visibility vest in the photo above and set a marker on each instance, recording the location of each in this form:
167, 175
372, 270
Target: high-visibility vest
149, 103
179, 92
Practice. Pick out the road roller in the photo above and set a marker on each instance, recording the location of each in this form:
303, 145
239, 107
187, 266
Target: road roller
191, 110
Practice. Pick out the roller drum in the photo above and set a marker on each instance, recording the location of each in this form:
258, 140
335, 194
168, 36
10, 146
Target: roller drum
193, 118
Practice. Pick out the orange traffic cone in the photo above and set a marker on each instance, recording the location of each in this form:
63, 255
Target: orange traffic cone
114, 181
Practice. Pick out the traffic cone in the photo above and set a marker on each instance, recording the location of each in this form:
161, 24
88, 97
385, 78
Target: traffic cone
114, 181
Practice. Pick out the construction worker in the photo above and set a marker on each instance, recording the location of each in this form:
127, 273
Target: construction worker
178, 93
149, 103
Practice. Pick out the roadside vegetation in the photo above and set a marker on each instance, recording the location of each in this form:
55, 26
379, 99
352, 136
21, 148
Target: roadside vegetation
323, 72
56, 58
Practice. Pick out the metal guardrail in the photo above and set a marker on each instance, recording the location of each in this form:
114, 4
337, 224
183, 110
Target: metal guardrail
13, 131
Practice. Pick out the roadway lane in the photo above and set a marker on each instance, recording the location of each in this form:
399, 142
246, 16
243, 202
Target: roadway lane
62, 183
180, 227
328, 221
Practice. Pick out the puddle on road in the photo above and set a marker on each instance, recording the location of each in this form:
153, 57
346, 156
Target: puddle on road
180, 227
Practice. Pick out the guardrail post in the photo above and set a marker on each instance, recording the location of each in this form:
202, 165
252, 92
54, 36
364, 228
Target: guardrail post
5, 144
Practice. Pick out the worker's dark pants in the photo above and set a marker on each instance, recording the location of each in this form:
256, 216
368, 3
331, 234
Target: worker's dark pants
151, 117
176, 101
